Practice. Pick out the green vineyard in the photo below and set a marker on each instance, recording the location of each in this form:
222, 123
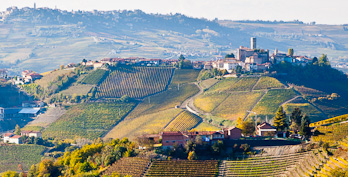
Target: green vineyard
13, 155
136, 82
88, 120
184, 121
94, 77
183, 168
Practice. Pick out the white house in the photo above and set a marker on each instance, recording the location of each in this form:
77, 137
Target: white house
12, 138
264, 128
36, 134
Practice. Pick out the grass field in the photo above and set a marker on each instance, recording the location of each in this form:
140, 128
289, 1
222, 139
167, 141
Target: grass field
268, 83
145, 124
88, 120
236, 105
78, 89
208, 83
13, 155
51, 77
271, 101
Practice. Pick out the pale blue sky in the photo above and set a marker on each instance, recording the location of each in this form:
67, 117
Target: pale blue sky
321, 11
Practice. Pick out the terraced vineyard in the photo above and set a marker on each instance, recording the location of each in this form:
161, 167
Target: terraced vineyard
94, 77
330, 120
184, 121
88, 120
13, 155
130, 166
261, 166
183, 168
209, 101
136, 82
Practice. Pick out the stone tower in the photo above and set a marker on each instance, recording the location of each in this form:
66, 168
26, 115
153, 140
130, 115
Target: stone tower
253, 43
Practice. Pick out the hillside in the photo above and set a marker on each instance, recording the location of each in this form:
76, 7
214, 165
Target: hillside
42, 39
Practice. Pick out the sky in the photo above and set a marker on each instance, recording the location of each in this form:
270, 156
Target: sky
320, 11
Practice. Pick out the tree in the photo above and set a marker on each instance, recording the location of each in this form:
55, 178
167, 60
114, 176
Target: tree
181, 58
17, 130
305, 129
247, 127
10, 174
62, 66
32, 171
47, 168
229, 55
280, 119
323, 60
290, 52
295, 119
192, 155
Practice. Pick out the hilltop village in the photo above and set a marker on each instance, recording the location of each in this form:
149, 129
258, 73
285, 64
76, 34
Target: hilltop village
133, 116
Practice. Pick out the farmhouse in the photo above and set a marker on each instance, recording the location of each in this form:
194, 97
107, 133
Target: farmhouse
12, 138
36, 134
264, 129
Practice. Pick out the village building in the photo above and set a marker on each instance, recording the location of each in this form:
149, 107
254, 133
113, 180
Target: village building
170, 139
32, 104
29, 112
97, 65
265, 129
11, 138
36, 134
2, 113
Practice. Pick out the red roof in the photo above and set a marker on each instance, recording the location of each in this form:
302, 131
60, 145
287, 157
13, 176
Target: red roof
16, 136
8, 134
265, 125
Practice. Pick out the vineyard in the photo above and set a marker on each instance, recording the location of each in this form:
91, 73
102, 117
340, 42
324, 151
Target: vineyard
88, 120
129, 166
271, 101
94, 77
236, 105
244, 84
260, 166
183, 168
136, 82
331, 134
145, 124
330, 120
268, 83
184, 121
308, 109
13, 155
208, 102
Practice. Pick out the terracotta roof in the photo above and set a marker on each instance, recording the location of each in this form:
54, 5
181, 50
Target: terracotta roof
8, 134
16, 136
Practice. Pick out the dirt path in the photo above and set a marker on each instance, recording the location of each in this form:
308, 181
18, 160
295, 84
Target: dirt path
188, 104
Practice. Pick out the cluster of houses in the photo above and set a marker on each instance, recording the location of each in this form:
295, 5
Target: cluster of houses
27, 76
28, 109
253, 59
179, 138
16, 139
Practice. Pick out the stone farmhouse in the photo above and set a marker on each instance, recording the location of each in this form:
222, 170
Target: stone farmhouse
265, 129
